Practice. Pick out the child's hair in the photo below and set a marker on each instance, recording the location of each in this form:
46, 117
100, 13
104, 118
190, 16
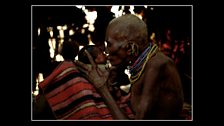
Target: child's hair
69, 50
82, 55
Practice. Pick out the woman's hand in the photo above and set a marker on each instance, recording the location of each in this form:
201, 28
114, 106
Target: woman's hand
94, 74
99, 78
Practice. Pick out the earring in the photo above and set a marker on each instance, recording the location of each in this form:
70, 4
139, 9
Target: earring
134, 49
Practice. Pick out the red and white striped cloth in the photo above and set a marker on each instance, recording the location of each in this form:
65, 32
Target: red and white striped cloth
71, 96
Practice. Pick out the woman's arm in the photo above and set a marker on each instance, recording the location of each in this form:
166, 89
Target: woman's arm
115, 110
99, 80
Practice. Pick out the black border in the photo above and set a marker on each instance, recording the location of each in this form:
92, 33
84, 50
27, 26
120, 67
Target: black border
27, 80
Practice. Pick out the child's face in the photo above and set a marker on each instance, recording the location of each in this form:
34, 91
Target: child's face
101, 57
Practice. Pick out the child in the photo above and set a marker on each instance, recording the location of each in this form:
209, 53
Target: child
116, 79
117, 76
98, 56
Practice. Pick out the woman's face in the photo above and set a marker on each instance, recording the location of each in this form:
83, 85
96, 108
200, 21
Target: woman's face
116, 50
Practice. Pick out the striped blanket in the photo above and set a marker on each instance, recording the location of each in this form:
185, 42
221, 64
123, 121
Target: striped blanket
71, 97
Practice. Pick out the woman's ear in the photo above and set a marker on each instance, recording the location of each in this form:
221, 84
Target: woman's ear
129, 48
132, 49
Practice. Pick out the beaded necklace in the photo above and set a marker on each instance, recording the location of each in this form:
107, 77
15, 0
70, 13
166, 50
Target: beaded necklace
137, 68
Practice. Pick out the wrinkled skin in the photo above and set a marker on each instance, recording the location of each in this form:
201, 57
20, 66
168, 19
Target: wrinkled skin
157, 94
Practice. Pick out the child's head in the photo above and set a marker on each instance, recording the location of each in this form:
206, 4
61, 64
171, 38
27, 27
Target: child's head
69, 50
98, 56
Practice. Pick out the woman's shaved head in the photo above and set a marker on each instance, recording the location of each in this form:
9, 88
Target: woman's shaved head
128, 28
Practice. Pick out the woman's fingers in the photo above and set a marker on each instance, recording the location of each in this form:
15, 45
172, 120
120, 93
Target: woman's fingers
83, 71
82, 65
99, 72
90, 59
